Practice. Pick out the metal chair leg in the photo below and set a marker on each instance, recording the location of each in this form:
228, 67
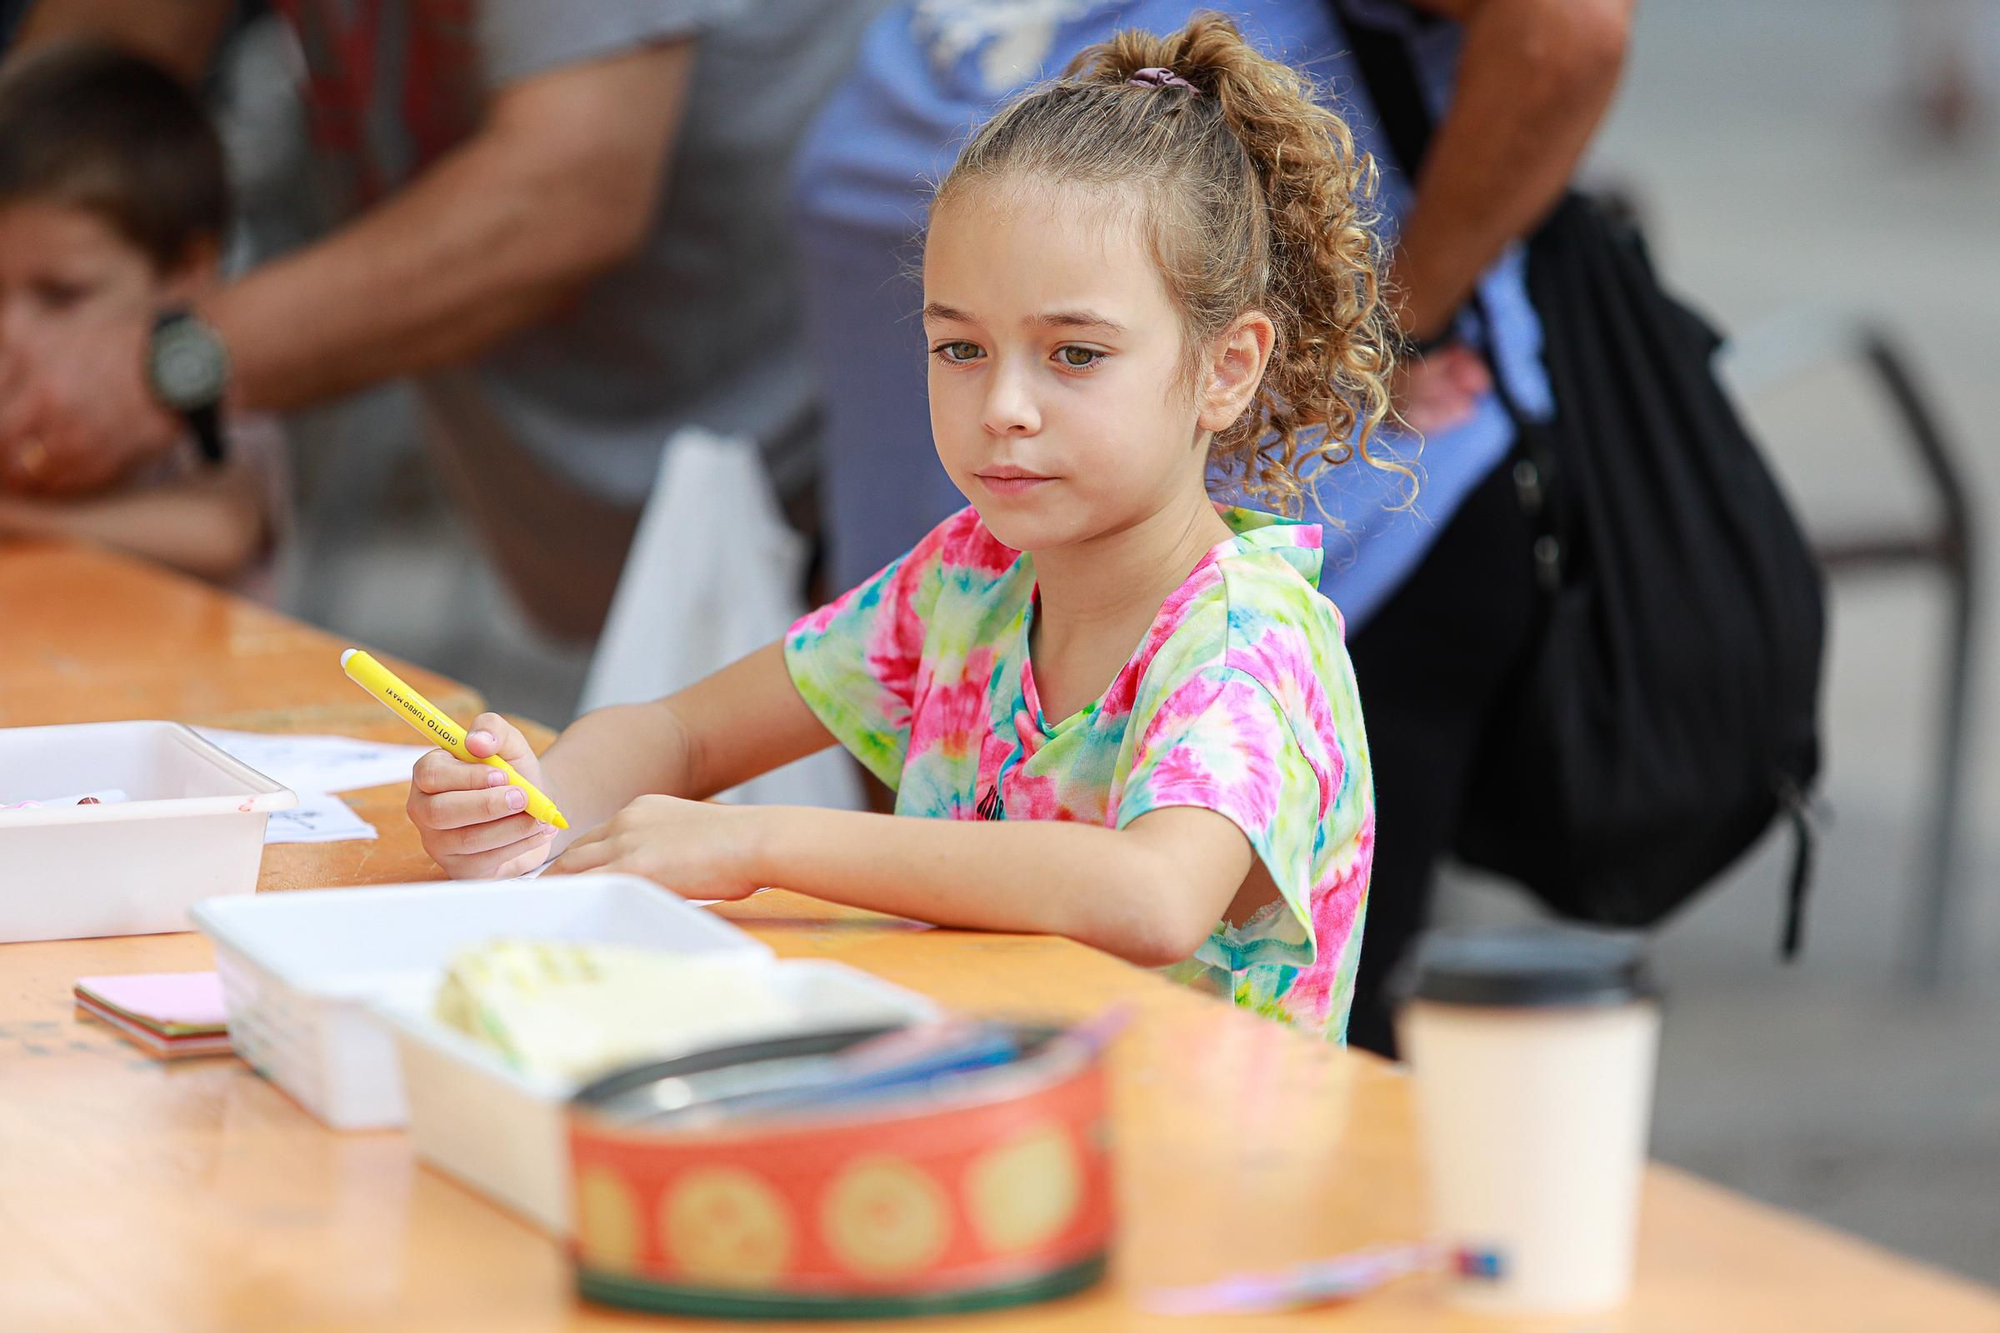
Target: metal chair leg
1931, 948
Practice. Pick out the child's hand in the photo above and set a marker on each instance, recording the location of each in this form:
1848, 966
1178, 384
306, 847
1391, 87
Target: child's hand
697, 849
470, 817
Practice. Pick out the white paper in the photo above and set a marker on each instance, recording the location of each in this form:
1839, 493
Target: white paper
318, 817
319, 763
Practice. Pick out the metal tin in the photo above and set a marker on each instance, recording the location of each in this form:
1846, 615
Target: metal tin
994, 1190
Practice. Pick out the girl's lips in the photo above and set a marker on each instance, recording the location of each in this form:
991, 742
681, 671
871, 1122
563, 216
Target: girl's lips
1013, 485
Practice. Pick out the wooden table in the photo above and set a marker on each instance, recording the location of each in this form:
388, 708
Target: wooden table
138, 1196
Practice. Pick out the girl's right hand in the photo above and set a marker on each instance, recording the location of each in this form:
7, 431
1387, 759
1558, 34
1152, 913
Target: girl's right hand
471, 819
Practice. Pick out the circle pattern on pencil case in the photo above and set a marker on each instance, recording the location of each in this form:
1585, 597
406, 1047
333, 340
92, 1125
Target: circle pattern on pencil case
726, 1227
884, 1218
1022, 1194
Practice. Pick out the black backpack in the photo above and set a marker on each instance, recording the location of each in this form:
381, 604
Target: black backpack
1670, 709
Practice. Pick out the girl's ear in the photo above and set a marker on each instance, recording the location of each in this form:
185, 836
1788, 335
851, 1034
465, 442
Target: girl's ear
1234, 370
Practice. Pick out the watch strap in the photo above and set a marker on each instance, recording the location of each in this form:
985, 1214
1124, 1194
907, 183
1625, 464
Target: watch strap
206, 425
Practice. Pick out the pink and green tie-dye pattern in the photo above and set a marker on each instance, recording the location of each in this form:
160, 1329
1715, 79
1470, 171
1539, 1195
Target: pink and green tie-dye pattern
1241, 701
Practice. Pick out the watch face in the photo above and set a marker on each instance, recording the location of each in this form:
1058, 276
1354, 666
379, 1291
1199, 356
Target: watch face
190, 368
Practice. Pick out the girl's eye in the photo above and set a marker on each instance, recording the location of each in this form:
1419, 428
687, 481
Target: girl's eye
55, 295
1078, 358
958, 352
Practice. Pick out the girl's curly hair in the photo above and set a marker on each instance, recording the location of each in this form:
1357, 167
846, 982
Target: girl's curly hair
1259, 201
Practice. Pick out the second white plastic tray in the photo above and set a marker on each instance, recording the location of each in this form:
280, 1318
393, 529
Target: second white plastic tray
300, 970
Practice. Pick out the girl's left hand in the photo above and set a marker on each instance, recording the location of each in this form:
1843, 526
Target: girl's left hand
696, 848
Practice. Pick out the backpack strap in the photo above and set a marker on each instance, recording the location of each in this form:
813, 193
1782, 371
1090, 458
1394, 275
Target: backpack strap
1804, 844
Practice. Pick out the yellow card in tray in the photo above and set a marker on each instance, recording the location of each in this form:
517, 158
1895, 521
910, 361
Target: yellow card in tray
574, 1011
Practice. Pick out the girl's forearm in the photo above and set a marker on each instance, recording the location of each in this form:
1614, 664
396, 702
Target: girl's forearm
1112, 890
727, 728
610, 756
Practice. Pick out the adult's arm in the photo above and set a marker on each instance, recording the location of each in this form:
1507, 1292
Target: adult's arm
556, 186
1534, 79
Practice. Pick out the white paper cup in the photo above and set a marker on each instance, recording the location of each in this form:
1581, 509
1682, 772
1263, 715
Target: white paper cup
1534, 1053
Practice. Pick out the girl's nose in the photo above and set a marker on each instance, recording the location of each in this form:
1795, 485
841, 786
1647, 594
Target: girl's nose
1010, 405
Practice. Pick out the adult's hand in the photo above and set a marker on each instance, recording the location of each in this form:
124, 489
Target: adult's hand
1435, 393
75, 411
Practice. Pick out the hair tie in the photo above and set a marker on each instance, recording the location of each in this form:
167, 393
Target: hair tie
1153, 76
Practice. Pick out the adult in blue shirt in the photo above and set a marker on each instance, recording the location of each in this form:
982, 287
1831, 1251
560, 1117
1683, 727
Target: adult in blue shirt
1437, 594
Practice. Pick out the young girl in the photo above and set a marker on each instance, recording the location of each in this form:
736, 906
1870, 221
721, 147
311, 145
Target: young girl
1121, 711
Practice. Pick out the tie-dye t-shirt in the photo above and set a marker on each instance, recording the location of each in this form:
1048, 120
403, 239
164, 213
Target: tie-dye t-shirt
1241, 700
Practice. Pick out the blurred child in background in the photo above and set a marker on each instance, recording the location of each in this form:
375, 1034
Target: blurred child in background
114, 197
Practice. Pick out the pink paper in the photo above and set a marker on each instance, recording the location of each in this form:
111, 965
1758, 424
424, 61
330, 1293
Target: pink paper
176, 999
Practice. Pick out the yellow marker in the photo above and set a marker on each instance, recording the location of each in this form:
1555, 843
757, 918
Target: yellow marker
420, 713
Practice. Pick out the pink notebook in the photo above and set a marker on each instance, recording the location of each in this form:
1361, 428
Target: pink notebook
173, 1004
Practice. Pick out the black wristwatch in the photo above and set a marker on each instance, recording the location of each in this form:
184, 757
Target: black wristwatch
187, 368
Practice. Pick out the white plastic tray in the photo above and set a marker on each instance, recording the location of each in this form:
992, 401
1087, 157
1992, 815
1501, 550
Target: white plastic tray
502, 1132
192, 828
300, 970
